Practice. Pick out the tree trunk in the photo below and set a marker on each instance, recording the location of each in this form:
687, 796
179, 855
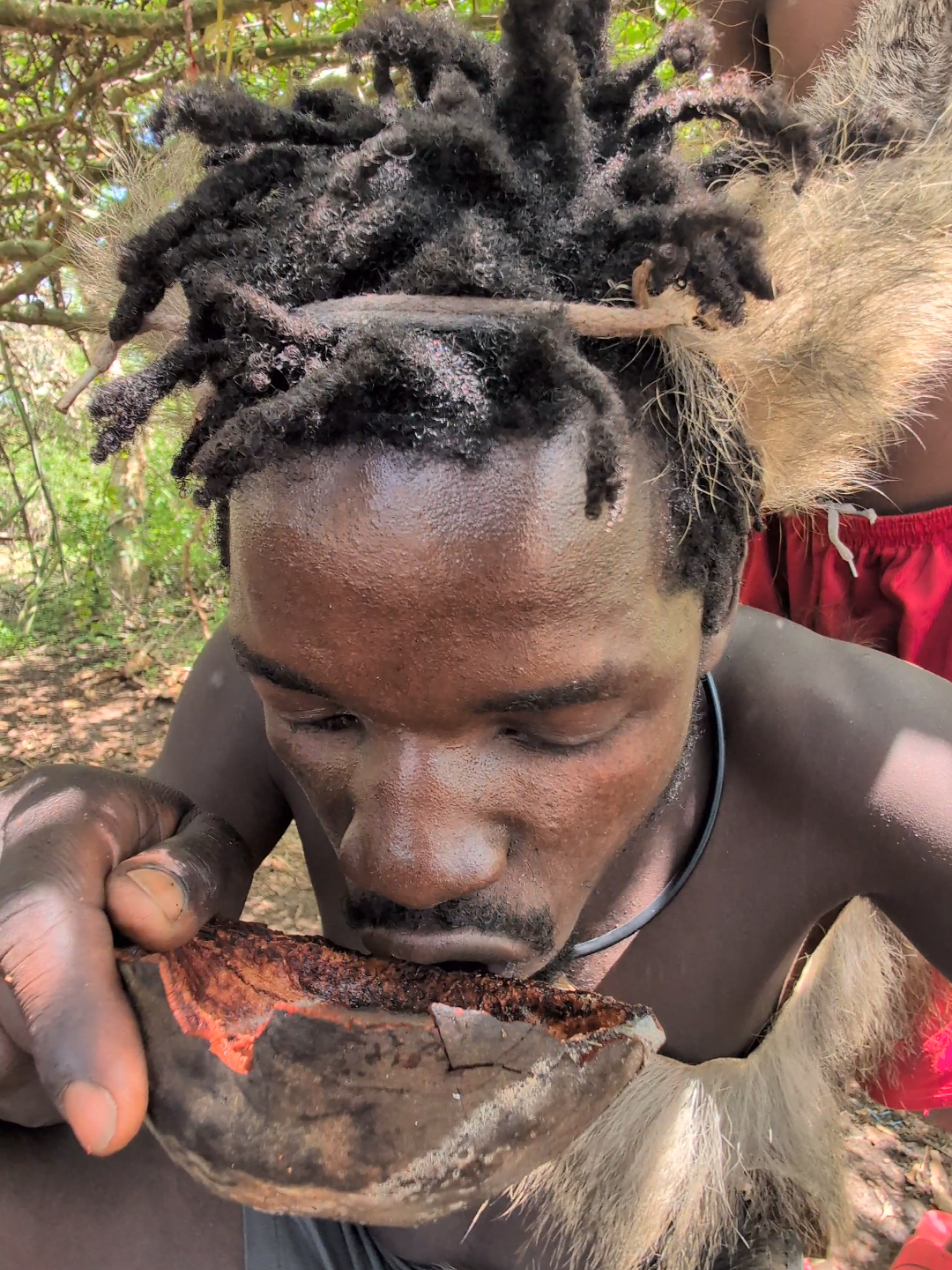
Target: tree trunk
129, 574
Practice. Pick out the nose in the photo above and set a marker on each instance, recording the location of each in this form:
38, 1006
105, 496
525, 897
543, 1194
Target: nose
417, 835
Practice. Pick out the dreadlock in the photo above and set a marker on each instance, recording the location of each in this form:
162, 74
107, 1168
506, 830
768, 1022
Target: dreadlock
529, 170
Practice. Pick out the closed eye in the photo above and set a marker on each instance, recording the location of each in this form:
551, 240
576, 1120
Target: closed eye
530, 741
568, 730
332, 723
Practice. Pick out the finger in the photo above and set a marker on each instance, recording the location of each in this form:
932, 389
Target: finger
161, 897
59, 961
79, 822
65, 829
23, 1100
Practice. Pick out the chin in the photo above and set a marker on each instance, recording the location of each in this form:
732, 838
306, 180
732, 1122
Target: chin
558, 967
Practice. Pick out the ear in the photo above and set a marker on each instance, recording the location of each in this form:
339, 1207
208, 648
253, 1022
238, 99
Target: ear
714, 646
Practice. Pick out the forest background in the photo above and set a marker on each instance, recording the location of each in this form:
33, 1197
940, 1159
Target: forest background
114, 560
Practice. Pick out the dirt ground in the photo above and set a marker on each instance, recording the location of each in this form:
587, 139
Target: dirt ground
52, 710
83, 712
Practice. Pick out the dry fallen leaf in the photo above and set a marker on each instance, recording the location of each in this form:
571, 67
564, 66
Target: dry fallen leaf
939, 1184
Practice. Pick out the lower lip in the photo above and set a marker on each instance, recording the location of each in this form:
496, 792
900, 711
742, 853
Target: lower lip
471, 950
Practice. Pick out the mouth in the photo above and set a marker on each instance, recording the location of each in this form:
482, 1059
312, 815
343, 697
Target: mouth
469, 950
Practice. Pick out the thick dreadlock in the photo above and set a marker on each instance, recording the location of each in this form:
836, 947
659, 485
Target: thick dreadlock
529, 171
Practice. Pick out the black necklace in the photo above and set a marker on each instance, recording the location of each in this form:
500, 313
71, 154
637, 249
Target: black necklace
612, 937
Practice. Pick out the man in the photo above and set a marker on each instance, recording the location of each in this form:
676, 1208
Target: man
481, 569
877, 570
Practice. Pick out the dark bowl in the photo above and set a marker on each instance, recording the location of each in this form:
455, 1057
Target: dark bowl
295, 1077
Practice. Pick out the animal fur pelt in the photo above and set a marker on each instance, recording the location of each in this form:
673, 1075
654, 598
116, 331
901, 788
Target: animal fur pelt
687, 1155
828, 374
152, 183
896, 70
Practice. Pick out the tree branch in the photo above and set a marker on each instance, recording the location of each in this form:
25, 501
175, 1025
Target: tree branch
283, 49
27, 280
18, 251
139, 87
42, 315
63, 118
22, 500
158, 24
14, 388
120, 24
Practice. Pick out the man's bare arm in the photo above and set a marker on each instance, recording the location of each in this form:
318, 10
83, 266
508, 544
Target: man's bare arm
217, 752
784, 39
738, 23
910, 802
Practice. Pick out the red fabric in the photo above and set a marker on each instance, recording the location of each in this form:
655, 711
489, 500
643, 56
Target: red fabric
901, 603
928, 1248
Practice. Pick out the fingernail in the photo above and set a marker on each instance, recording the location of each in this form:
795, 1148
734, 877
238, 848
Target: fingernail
163, 889
92, 1113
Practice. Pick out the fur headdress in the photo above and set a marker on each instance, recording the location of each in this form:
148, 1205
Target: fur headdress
829, 373
690, 1159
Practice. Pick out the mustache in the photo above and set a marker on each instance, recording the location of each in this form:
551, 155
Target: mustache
535, 928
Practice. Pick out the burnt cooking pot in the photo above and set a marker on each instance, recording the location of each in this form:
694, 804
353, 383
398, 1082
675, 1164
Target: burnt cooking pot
292, 1076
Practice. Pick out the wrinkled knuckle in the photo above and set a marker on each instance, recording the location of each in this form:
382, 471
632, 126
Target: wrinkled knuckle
216, 850
43, 814
36, 943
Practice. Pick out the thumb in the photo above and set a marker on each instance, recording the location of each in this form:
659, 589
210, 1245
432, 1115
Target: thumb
161, 897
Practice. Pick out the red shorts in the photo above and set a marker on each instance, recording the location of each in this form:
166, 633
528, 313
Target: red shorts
887, 585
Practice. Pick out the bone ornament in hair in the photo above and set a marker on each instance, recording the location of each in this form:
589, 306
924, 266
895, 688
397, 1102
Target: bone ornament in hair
648, 315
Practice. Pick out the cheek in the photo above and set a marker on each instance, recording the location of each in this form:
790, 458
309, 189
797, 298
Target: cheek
324, 771
584, 809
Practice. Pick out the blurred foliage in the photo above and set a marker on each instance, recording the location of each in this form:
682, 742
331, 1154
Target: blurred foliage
115, 554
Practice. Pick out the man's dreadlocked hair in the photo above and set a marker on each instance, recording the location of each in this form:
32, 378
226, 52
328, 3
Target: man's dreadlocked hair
532, 170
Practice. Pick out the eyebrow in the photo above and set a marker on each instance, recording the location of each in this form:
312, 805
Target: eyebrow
275, 671
604, 685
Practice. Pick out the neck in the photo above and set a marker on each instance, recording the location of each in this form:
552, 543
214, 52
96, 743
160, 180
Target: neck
655, 853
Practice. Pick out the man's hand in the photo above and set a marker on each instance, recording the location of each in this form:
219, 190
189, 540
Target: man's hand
81, 848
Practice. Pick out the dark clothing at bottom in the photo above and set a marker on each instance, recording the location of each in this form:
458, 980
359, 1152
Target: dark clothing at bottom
300, 1243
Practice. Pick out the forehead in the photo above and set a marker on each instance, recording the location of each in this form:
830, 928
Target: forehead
355, 561
394, 524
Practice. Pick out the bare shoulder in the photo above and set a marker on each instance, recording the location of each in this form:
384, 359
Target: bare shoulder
858, 747
778, 672
800, 32
735, 23
829, 719
59, 1208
